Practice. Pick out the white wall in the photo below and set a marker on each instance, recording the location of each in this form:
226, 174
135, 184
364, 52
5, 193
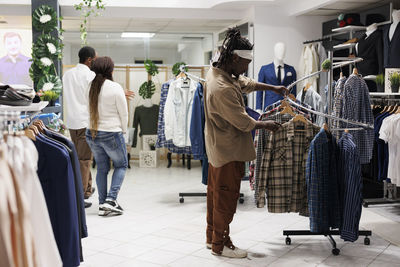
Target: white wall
271, 25
193, 54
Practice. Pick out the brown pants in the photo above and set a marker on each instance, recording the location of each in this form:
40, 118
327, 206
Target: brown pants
85, 158
223, 191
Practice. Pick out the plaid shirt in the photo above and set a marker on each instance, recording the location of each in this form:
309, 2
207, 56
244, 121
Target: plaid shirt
161, 140
338, 105
260, 142
322, 184
282, 172
357, 107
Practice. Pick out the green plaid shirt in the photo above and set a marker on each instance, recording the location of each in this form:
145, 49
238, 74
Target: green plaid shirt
282, 174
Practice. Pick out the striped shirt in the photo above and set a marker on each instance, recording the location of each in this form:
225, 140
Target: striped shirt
350, 187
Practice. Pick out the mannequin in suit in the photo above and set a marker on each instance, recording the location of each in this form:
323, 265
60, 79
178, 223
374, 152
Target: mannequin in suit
370, 48
271, 73
391, 42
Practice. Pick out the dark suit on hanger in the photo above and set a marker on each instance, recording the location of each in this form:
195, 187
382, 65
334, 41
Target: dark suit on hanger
370, 49
391, 48
267, 75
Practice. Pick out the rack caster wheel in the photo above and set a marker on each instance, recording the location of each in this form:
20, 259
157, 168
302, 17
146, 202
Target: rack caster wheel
241, 200
181, 200
288, 241
335, 251
367, 241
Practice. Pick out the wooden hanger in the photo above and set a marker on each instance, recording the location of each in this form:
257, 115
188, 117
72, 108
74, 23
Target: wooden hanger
326, 127
291, 96
30, 134
346, 130
39, 125
34, 129
301, 118
181, 75
308, 85
355, 71
287, 109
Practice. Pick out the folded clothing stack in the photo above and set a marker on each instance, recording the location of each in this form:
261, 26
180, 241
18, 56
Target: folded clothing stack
16, 95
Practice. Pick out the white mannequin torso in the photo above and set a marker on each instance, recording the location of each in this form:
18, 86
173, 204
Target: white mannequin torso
147, 103
393, 26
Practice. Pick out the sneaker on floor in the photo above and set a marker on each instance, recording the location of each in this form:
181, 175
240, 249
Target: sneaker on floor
112, 205
208, 245
231, 253
87, 204
103, 211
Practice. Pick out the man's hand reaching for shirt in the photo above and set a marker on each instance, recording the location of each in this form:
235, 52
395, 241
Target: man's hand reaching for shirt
268, 125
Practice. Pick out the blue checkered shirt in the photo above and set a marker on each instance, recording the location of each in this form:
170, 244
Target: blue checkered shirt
357, 107
322, 183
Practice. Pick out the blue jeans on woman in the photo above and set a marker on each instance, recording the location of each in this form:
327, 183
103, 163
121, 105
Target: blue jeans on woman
106, 146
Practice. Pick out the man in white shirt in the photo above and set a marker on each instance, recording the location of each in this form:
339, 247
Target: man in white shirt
76, 85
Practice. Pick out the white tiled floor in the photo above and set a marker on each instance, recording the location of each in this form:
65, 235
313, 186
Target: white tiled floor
156, 230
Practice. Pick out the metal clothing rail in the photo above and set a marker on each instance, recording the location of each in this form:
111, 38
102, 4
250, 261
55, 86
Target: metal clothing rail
364, 125
330, 233
336, 65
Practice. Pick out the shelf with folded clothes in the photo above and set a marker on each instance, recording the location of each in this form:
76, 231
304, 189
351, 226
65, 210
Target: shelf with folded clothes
350, 28
31, 108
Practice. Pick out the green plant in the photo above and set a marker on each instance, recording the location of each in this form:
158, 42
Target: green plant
326, 65
151, 68
45, 51
380, 79
395, 79
147, 89
176, 68
49, 96
88, 8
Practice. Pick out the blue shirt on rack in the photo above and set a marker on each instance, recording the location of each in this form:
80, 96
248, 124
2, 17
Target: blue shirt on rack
350, 181
57, 180
322, 183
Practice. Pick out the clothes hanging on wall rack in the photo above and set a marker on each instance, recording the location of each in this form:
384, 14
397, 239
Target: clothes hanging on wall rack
161, 140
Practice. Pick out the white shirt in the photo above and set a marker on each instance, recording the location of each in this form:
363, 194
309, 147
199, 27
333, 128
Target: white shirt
76, 86
113, 108
389, 132
178, 111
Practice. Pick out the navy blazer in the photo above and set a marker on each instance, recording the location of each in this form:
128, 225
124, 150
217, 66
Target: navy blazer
391, 49
267, 75
57, 179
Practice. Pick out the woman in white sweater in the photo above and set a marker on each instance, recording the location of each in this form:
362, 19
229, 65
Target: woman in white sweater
108, 122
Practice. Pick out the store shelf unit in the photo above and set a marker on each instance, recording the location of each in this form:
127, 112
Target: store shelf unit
350, 29
344, 46
34, 107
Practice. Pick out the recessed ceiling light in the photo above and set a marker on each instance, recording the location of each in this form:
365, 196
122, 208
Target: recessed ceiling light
137, 35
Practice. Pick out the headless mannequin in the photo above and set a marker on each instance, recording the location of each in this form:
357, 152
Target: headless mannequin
370, 29
396, 20
279, 55
147, 103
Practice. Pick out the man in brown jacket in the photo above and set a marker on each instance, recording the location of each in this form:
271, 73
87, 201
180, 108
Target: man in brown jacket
229, 143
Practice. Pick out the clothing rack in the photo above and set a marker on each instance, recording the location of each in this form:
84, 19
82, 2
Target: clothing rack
182, 195
330, 233
388, 188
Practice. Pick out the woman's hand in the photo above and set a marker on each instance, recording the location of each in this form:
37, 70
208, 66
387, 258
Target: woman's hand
281, 90
129, 94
